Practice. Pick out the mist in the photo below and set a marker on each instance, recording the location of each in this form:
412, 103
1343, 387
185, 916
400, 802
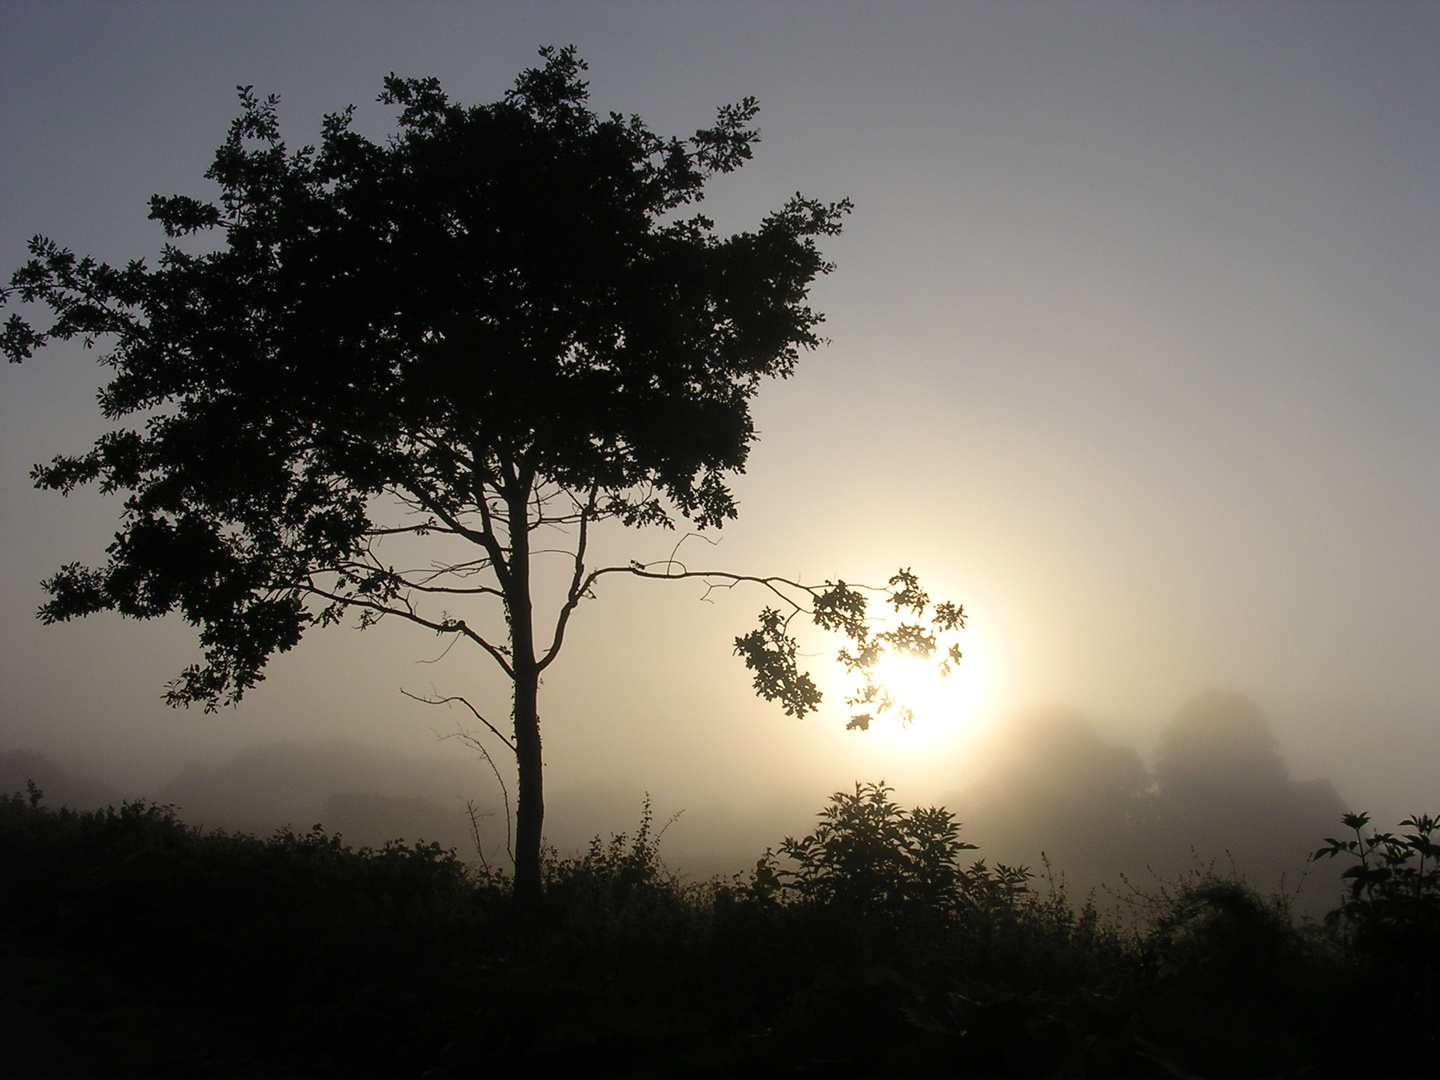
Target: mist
1047, 793
1132, 351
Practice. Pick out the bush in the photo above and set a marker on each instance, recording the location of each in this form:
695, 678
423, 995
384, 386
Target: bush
618, 909
1393, 898
865, 947
872, 857
297, 945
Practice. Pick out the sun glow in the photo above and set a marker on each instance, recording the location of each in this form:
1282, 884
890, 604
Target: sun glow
940, 707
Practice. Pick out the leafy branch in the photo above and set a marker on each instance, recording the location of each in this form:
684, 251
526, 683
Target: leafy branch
914, 627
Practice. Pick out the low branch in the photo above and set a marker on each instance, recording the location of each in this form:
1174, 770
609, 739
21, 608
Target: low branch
402, 530
473, 711
479, 747
771, 651
450, 590
454, 626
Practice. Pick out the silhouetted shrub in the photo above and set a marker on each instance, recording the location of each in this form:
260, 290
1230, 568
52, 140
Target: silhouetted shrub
617, 907
877, 878
872, 857
1389, 922
865, 947
1393, 896
317, 947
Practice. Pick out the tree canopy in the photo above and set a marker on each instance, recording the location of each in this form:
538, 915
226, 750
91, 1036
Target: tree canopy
497, 298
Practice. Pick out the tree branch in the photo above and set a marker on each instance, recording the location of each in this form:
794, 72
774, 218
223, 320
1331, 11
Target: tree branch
463, 701
578, 584
453, 626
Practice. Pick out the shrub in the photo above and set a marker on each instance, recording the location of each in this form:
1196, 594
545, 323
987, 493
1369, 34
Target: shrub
865, 947
617, 906
1393, 898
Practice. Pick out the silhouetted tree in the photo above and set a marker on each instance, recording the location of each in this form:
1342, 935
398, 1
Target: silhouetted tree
1219, 739
1052, 784
1223, 787
496, 321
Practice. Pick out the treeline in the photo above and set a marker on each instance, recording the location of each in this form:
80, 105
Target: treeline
1217, 789
877, 944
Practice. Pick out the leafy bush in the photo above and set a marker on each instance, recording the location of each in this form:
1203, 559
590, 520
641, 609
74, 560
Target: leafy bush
870, 856
1389, 924
865, 947
618, 907
1393, 898
312, 947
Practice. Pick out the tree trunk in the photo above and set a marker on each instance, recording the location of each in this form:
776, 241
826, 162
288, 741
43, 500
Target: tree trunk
530, 797
530, 801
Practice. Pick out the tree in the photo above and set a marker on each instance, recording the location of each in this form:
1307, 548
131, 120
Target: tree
498, 321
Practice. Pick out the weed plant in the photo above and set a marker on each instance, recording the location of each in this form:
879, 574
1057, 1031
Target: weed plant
876, 944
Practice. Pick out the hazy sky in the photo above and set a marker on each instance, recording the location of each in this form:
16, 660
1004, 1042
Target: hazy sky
1135, 351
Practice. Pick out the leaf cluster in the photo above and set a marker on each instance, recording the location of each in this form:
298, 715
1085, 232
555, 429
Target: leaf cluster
917, 627
1392, 896
869, 854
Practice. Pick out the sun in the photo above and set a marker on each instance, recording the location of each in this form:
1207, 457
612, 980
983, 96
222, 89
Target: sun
941, 707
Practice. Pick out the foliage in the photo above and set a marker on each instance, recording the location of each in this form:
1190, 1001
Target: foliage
1392, 901
919, 628
303, 946
162, 950
1389, 869
618, 904
622, 865
869, 855
494, 309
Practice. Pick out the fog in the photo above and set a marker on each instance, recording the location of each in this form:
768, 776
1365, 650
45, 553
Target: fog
1051, 794
1133, 351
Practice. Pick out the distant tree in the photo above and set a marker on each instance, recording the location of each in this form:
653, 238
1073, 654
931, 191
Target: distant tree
1219, 741
1052, 784
493, 323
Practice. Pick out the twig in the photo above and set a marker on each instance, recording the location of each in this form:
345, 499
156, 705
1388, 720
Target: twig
474, 711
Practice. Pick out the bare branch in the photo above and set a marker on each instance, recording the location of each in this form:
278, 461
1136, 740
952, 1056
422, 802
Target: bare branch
475, 816
418, 530
470, 740
720, 579
422, 579
448, 590
578, 584
492, 544
443, 652
485, 537
688, 536
463, 701
451, 626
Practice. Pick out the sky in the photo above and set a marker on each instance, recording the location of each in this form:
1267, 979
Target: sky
1132, 350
